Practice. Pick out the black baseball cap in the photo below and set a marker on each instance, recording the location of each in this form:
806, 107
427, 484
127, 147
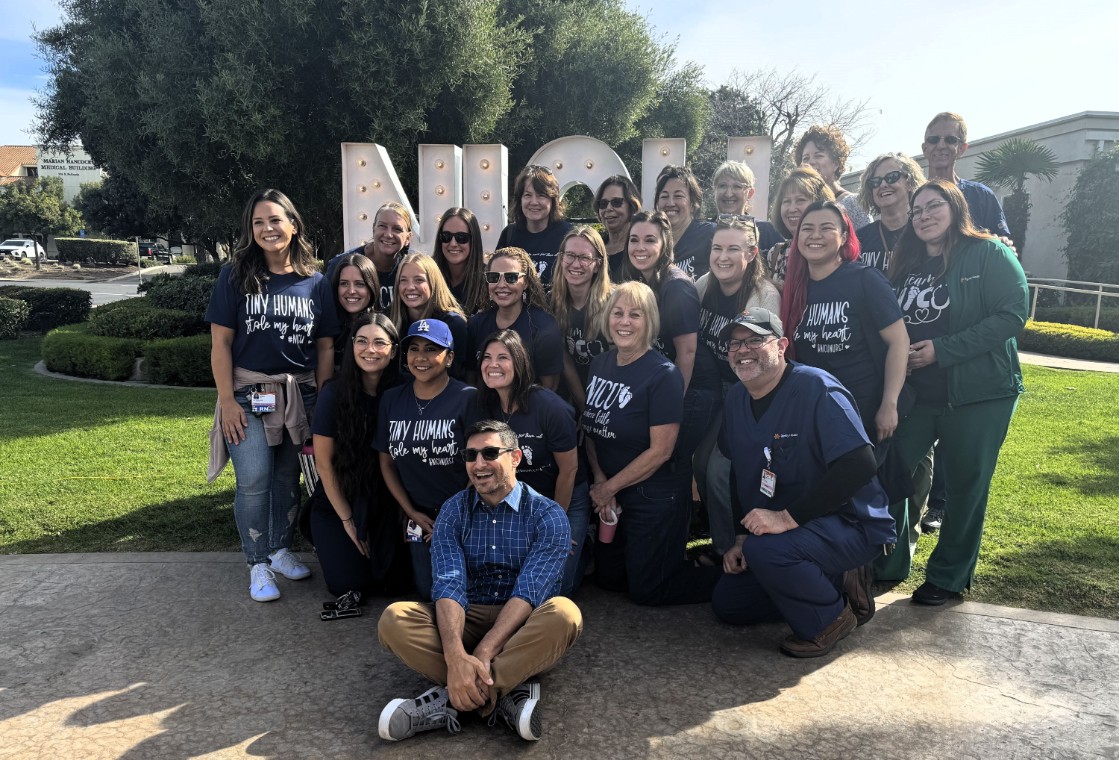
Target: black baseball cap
760, 321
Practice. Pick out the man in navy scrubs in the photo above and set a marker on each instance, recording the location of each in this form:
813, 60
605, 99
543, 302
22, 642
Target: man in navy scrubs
803, 483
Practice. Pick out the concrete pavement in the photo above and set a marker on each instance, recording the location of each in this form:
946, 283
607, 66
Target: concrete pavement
165, 656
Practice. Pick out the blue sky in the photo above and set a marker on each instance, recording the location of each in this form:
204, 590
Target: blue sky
1002, 65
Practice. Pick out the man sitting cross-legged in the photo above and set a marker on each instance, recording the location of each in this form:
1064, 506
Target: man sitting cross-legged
498, 552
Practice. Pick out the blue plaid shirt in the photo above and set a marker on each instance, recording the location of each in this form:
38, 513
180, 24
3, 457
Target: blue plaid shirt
484, 555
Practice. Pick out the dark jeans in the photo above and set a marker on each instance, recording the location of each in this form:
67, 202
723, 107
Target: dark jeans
646, 558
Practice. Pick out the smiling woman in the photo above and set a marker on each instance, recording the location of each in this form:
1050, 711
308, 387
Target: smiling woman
538, 220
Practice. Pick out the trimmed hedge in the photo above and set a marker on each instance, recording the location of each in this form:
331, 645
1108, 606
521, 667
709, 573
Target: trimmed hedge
73, 350
1079, 315
139, 318
186, 292
179, 361
13, 316
51, 307
1072, 341
97, 251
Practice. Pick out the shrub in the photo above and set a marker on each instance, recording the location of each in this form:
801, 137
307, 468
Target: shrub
1079, 315
13, 317
73, 350
187, 292
139, 318
1072, 341
51, 307
208, 269
179, 361
97, 251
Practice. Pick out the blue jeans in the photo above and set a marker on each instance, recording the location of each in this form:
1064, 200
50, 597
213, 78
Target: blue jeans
421, 568
266, 499
579, 515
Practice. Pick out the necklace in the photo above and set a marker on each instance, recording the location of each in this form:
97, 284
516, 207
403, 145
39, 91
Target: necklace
421, 408
888, 247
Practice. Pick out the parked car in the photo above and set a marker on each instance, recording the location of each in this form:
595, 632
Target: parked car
22, 248
155, 251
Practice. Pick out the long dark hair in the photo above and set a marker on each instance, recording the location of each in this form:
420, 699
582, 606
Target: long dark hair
911, 250
751, 278
355, 431
474, 292
794, 298
659, 220
524, 379
249, 270
368, 274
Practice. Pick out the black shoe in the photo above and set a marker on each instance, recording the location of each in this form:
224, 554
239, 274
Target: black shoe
932, 520
932, 594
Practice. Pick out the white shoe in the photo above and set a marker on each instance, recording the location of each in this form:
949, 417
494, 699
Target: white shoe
262, 583
286, 564
519, 710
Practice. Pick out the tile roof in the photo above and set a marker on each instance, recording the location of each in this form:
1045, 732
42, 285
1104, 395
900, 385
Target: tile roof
14, 156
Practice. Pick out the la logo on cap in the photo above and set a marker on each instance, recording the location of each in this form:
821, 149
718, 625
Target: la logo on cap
423, 327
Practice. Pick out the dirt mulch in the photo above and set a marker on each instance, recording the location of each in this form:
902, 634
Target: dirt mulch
17, 270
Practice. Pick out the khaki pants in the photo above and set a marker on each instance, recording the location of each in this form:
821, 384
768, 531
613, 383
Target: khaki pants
409, 630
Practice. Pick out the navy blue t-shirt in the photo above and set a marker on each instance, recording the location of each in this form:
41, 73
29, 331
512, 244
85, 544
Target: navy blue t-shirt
538, 330
841, 309
387, 279
678, 302
810, 423
875, 244
546, 426
768, 236
582, 351
986, 211
275, 331
712, 322
543, 246
624, 402
425, 445
692, 252
924, 305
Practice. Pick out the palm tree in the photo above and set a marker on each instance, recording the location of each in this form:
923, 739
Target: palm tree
1008, 166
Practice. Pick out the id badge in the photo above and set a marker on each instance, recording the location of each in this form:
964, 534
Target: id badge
413, 533
769, 482
263, 403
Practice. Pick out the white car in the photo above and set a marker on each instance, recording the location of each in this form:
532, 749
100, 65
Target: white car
22, 248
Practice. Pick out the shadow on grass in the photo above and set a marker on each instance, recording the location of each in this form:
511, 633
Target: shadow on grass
201, 523
1102, 456
1078, 577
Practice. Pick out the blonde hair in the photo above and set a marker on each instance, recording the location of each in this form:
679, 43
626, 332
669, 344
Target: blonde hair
642, 296
441, 301
599, 292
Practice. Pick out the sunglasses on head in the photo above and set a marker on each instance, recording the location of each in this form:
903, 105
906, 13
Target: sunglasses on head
510, 277
615, 202
948, 139
489, 453
462, 238
889, 179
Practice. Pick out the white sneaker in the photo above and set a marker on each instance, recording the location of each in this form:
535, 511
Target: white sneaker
519, 710
262, 583
286, 564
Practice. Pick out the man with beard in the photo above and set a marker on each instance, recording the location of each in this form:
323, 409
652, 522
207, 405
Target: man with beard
803, 482
498, 552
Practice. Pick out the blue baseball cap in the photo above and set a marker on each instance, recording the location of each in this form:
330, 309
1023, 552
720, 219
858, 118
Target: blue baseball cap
431, 329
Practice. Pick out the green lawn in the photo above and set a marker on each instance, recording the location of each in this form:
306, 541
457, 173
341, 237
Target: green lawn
104, 468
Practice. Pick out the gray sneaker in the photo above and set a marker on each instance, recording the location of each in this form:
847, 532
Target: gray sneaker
519, 710
403, 718
932, 520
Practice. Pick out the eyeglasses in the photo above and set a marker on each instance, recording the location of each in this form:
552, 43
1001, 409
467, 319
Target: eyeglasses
739, 187
489, 453
378, 343
578, 258
890, 178
615, 202
510, 277
948, 139
917, 212
462, 238
728, 220
754, 341
539, 168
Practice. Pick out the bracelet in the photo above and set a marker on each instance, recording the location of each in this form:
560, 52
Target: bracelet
349, 519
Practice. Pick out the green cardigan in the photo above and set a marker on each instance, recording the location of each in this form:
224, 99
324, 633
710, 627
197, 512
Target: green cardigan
988, 305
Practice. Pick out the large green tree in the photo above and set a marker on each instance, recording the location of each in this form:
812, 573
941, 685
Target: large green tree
35, 206
1009, 166
1091, 220
200, 102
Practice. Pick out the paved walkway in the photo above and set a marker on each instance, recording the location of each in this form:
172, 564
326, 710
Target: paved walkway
164, 656
1063, 362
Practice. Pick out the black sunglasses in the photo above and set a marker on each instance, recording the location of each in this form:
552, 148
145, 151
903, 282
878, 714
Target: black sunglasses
510, 277
890, 178
948, 139
615, 202
489, 453
462, 238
